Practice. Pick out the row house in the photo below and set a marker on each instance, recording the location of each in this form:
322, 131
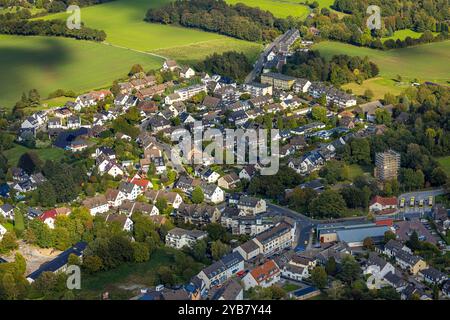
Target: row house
260, 101
189, 92
256, 89
90, 99
221, 271
269, 242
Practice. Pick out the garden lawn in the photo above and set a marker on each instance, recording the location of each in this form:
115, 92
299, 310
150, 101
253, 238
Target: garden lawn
123, 22
18, 150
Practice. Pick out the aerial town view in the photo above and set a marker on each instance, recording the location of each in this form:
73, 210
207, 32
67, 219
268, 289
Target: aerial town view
236, 150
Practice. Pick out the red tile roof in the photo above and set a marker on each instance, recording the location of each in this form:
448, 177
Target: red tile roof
143, 183
265, 271
391, 201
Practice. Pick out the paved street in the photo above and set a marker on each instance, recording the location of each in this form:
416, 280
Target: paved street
304, 224
260, 62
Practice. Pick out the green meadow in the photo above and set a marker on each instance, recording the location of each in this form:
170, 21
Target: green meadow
123, 22
379, 86
428, 62
51, 63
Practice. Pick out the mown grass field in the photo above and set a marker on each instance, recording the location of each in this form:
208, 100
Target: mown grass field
18, 150
402, 34
428, 62
51, 63
379, 86
445, 163
123, 22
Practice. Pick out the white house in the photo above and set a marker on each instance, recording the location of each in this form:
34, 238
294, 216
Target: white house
130, 190
378, 268
382, 204
97, 204
179, 238
114, 197
2, 231
212, 193
264, 276
187, 72
125, 222
7, 211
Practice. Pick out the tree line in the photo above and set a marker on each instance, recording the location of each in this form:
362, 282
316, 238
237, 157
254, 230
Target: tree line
402, 14
49, 28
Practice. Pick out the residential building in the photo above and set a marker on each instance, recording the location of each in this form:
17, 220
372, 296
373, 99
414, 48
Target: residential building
59, 263
392, 247
220, 271
278, 80
275, 239
122, 220
212, 193
258, 89
189, 92
412, 263
172, 198
248, 250
387, 165
7, 211
130, 190
179, 238
229, 291
198, 214
49, 216
251, 206
433, 276
2, 231
264, 275
187, 72
97, 204
229, 181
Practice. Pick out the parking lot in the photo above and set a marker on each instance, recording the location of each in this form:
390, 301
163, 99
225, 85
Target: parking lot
421, 201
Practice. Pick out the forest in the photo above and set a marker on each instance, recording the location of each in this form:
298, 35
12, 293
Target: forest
339, 70
239, 21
